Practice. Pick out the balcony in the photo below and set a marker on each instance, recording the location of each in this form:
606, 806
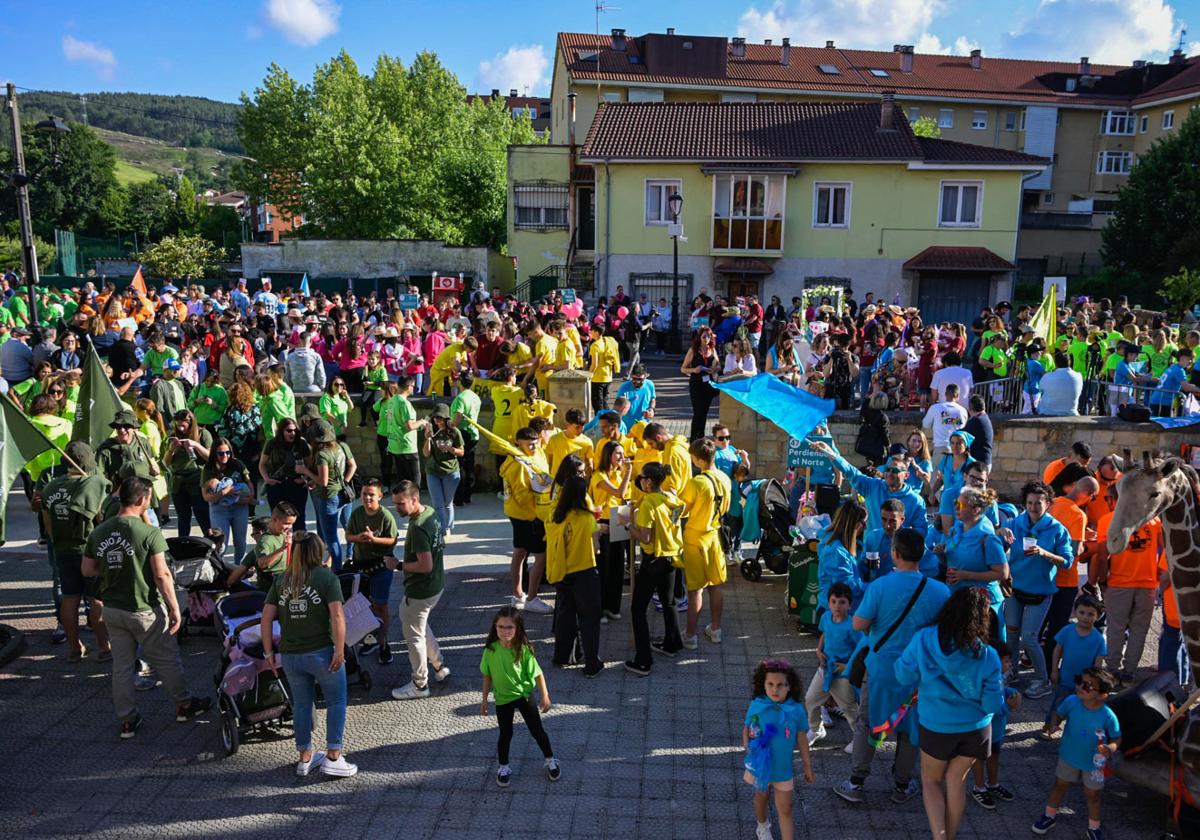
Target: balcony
1058, 221
747, 234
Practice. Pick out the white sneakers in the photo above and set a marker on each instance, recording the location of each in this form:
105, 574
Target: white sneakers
815, 735
341, 767
517, 601
763, 832
411, 691
691, 642
303, 767
537, 605
442, 674
714, 636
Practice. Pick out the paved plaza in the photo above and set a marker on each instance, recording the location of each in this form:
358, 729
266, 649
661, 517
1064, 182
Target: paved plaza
652, 758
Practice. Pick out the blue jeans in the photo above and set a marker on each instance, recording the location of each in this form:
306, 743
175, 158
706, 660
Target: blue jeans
1168, 652
864, 383
235, 518
304, 672
441, 491
327, 527
1024, 622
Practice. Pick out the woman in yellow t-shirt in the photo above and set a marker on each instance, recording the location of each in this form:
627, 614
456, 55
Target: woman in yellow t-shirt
571, 567
610, 490
531, 406
656, 528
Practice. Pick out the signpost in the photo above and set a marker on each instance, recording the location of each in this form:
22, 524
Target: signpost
801, 456
410, 301
568, 295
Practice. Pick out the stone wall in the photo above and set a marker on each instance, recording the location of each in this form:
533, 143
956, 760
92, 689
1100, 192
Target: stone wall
1023, 445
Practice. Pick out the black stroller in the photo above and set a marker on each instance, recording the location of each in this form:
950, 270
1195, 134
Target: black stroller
199, 570
775, 520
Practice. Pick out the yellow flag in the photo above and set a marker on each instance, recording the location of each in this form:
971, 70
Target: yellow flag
1045, 320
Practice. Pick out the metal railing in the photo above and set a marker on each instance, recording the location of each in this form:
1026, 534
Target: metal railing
1000, 396
1099, 397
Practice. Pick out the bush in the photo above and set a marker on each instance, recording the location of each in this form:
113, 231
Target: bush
10, 254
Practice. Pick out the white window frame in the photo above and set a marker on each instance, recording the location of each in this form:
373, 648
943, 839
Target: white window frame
1023, 113
666, 185
1113, 162
611, 96
832, 186
945, 118
958, 209
1145, 123
773, 181
1048, 199
1010, 120
914, 113
979, 120
739, 97
646, 94
1118, 123
1168, 120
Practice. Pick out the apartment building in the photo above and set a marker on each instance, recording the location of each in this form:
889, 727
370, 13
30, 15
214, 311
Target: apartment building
1089, 120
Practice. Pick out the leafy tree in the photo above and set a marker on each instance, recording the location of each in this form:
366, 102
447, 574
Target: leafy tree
111, 215
222, 227
1152, 232
185, 211
926, 127
183, 257
150, 209
67, 193
10, 254
1182, 289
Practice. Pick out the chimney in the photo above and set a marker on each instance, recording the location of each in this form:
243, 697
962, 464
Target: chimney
670, 30
785, 52
829, 45
618, 40
1177, 57
976, 59
739, 48
887, 111
495, 93
766, 42
512, 91
571, 118
1139, 64
906, 57
1085, 66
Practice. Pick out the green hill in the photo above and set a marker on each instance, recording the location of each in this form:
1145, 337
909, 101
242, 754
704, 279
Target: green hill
144, 158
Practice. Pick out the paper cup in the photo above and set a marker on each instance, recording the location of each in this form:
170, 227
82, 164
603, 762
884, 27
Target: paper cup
1030, 542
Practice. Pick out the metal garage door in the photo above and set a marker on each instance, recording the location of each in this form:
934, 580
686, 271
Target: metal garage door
953, 298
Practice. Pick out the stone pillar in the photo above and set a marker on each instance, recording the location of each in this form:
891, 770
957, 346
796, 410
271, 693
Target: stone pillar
571, 389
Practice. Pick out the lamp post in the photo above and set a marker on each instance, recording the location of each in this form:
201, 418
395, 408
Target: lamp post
675, 204
20, 179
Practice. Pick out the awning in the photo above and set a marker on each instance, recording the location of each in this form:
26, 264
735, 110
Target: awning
743, 265
947, 258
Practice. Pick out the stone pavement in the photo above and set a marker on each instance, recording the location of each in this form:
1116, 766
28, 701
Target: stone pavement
642, 758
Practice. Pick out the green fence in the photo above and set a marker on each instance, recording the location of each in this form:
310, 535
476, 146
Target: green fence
77, 254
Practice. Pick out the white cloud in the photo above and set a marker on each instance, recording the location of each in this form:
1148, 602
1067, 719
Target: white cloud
90, 53
932, 45
864, 24
304, 22
1193, 48
1107, 31
520, 68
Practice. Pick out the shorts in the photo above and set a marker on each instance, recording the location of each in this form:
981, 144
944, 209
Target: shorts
70, 575
529, 534
703, 562
947, 745
785, 785
1066, 773
379, 585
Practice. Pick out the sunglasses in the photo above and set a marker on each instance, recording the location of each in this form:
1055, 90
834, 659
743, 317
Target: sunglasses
58, 391
722, 437
223, 453
1083, 685
290, 431
896, 470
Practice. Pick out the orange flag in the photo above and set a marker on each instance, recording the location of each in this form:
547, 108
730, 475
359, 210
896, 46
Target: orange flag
139, 283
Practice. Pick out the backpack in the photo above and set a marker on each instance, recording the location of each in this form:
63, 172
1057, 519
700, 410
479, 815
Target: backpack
839, 370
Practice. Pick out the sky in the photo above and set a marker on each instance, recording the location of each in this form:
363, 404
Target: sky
221, 48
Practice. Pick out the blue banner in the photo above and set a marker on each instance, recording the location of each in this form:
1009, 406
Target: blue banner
795, 411
1177, 422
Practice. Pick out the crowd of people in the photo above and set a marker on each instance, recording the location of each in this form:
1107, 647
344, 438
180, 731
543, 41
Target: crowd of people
929, 586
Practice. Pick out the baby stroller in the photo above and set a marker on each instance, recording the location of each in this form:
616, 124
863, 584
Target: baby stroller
359, 622
775, 520
199, 570
249, 695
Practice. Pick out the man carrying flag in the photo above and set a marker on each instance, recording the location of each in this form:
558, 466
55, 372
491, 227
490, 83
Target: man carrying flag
98, 402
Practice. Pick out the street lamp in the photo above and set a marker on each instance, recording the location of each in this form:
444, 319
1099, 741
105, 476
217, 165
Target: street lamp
675, 205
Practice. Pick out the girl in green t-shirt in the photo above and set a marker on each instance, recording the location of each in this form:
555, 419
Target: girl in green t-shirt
209, 400
334, 406
374, 376
511, 671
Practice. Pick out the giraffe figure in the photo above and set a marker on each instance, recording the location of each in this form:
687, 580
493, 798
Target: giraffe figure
1169, 489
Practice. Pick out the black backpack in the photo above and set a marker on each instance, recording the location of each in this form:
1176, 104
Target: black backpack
839, 370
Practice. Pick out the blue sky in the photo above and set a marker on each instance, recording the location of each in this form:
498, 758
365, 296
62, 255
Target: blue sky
219, 48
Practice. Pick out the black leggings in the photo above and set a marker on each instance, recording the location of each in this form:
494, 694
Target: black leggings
529, 712
611, 562
702, 394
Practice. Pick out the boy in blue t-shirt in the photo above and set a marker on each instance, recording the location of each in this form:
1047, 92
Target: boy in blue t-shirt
1035, 369
1077, 646
1091, 729
834, 649
986, 795
1173, 377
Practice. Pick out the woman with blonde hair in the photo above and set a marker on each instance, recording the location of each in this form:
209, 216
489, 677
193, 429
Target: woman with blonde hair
838, 552
233, 357
275, 399
974, 554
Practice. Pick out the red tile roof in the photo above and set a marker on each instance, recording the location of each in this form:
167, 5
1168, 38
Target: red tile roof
660, 59
1185, 82
779, 131
945, 258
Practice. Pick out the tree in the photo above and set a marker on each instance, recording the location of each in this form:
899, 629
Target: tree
150, 209
66, 194
1152, 232
10, 254
183, 257
1182, 289
184, 212
926, 127
222, 227
111, 215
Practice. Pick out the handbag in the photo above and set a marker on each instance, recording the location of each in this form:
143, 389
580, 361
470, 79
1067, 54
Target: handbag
1134, 413
1029, 599
857, 670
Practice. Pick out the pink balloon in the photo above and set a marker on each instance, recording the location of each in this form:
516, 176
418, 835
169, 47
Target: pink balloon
622, 312
572, 310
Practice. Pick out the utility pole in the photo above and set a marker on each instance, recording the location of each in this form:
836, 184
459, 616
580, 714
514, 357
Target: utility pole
83, 101
21, 182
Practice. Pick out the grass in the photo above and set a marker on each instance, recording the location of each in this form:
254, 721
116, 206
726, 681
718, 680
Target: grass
143, 159
127, 173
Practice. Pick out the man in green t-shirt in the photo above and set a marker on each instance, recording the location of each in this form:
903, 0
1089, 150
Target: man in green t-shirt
70, 507
138, 593
424, 580
402, 433
466, 407
372, 534
268, 558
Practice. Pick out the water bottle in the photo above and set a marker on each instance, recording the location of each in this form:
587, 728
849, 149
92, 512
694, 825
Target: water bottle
1099, 759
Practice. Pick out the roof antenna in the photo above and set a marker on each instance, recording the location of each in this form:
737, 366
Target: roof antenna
1182, 35
601, 6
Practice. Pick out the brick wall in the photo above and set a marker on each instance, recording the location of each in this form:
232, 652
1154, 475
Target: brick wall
1022, 448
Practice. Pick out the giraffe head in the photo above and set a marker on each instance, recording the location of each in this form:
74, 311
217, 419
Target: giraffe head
1145, 492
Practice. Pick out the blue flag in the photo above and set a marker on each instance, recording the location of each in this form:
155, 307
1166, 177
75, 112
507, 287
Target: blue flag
795, 411
1177, 422
304, 284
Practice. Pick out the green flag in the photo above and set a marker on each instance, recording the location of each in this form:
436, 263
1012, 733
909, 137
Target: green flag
20, 443
98, 402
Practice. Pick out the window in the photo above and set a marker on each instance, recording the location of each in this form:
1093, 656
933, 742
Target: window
611, 96
540, 205
748, 212
1168, 120
1117, 122
658, 211
961, 204
1048, 199
1022, 121
979, 119
879, 74
738, 97
1145, 122
521, 112
1114, 163
914, 114
645, 95
946, 118
1010, 120
828, 69
831, 205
